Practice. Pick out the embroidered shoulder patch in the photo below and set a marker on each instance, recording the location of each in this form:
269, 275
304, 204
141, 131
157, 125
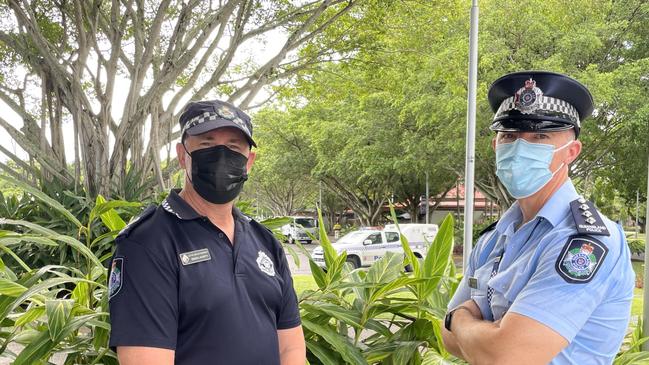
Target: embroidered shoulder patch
580, 259
116, 277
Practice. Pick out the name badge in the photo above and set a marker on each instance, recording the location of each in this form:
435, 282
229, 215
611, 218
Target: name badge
473, 283
193, 257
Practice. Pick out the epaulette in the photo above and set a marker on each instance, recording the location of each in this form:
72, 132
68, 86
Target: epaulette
491, 227
587, 218
146, 214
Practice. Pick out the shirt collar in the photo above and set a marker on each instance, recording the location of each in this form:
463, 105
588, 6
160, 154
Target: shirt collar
557, 207
177, 206
554, 210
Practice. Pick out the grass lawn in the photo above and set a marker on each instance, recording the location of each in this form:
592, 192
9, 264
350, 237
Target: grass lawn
304, 282
636, 307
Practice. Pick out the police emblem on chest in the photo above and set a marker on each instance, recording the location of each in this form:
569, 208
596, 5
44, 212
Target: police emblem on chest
115, 278
265, 264
580, 259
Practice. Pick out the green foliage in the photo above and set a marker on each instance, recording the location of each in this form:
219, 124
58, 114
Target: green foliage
631, 352
381, 315
55, 308
636, 246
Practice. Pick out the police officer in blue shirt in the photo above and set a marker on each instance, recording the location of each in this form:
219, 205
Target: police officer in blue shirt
552, 281
193, 281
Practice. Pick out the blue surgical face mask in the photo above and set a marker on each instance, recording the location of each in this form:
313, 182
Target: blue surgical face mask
524, 167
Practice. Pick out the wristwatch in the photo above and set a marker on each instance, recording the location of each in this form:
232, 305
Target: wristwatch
449, 316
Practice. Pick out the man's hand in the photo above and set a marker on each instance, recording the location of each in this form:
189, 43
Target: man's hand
473, 308
448, 338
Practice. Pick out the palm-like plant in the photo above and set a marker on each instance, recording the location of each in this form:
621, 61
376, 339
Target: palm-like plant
55, 308
381, 315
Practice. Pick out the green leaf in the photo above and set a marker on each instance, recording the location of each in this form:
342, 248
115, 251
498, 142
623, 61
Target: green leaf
326, 355
347, 351
31, 315
340, 313
318, 274
10, 288
36, 350
276, 223
410, 257
58, 313
438, 258
81, 294
387, 269
44, 198
106, 211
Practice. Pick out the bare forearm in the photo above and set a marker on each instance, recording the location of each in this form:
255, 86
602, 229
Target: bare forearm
477, 340
294, 356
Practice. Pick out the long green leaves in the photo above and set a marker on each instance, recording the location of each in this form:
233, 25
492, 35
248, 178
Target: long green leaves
391, 316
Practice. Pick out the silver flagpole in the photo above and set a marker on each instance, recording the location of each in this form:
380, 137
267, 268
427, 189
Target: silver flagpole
645, 295
469, 168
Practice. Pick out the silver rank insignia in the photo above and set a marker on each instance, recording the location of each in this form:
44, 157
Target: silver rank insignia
528, 98
587, 218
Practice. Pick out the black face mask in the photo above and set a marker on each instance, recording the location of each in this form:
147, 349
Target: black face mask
218, 173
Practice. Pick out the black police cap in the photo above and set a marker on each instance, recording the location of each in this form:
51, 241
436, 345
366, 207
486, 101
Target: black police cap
203, 116
539, 101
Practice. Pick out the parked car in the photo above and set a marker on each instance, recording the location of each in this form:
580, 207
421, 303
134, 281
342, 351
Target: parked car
298, 228
364, 247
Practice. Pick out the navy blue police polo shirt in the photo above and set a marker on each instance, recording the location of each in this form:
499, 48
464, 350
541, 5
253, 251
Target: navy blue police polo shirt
177, 283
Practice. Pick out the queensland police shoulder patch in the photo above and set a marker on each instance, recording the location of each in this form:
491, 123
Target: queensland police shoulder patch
580, 259
115, 279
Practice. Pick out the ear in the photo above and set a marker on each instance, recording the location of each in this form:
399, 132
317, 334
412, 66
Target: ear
180, 152
573, 151
493, 143
251, 160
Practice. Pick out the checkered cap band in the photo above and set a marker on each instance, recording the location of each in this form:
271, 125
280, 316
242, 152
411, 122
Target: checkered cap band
206, 117
547, 105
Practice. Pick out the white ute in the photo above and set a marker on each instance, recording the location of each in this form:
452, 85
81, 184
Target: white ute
364, 247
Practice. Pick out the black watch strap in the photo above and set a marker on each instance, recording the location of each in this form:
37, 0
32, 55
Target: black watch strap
449, 316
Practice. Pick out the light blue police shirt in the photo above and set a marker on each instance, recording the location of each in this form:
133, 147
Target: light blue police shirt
592, 317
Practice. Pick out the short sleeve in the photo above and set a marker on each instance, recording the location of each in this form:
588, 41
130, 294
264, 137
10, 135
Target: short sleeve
558, 303
143, 299
289, 313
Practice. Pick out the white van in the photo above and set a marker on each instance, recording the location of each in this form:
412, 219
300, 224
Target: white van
364, 247
298, 228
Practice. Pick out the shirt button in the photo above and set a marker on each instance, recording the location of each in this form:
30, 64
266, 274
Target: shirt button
220, 235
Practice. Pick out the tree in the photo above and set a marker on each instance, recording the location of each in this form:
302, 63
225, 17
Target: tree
78, 55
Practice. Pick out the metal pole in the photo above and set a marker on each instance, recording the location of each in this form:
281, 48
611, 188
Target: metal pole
320, 196
427, 207
637, 212
645, 295
470, 136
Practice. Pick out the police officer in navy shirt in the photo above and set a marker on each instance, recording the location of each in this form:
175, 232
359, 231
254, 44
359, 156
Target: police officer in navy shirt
551, 281
193, 281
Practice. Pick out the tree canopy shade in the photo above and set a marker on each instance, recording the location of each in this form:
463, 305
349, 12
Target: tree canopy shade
66, 61
371, 125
